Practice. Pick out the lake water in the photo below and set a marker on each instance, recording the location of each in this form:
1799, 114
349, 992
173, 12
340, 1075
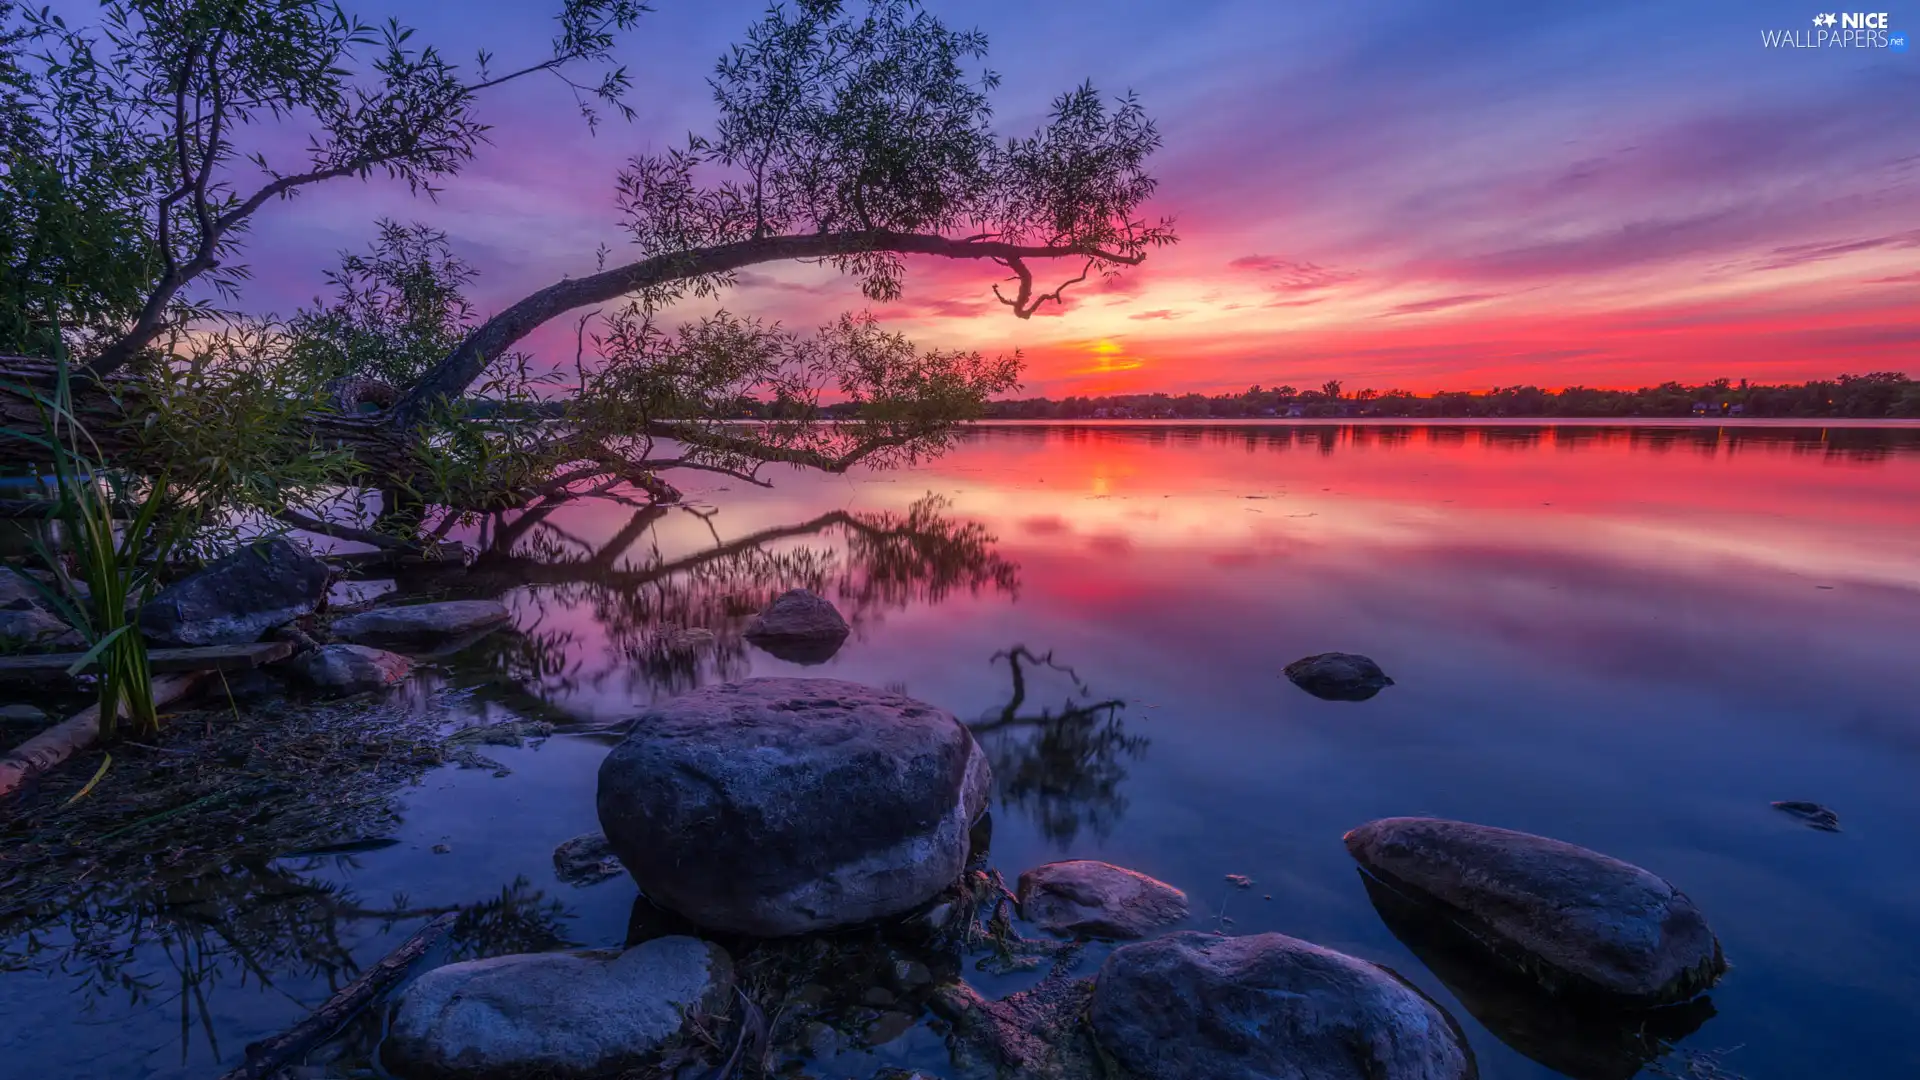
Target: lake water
1633, 638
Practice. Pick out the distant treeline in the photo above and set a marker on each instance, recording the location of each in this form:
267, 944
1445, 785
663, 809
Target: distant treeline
1877, 395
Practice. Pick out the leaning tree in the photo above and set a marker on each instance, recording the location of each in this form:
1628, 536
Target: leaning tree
858, 136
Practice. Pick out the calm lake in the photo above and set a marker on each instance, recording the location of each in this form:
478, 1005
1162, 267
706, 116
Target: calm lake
1634, 638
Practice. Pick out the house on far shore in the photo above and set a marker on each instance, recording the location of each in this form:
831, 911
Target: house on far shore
1296, 411
1703, 408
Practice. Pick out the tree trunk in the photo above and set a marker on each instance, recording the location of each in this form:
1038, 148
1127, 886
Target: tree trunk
106, 405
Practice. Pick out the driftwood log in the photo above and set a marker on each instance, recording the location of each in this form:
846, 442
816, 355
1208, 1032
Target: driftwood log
269, 1056
70, 736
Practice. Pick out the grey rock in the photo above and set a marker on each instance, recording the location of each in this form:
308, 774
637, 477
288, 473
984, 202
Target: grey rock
237, 599
425, 625
586, 860
1096, 899
21, 714
1336, 676
1578, 922
1813, 814
31, 628
352, 669
1194, 1006
800, 627
17, 591
783, 806
566, 1014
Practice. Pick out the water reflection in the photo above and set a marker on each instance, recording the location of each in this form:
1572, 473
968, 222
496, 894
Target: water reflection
621, 619
1060, 769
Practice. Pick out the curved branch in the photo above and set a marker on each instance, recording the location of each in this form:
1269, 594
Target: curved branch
1024, 303
458, 369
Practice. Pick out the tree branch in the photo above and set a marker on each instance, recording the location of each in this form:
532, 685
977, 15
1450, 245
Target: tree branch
344, 532
458, 369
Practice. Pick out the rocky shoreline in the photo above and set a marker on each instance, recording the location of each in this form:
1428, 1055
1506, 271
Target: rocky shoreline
779, 818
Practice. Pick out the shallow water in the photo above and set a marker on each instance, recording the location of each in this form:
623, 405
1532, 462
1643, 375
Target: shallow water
1632, 638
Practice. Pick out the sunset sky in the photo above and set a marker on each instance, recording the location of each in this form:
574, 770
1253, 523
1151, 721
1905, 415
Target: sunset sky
1395, 194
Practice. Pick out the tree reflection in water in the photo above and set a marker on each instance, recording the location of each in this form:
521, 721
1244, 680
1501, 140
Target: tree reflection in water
1063, 770
129, 930
674, 624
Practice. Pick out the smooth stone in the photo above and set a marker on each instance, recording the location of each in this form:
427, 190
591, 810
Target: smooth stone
17, 590
352, 669
1195, 1006
1337, 676
1813, 814
1572, 1038
586, 860
1096, 899
237, 599
32, 628
799, 627
421, 624
784, 806
21, 714
565, 1014
1579, 922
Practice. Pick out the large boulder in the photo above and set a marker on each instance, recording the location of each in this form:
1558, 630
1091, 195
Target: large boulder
799, 627
1096, 899
352, 669
783, 806
1577, 922
423, 625
567, 1014
1195, 1006
237, 599
1338, 676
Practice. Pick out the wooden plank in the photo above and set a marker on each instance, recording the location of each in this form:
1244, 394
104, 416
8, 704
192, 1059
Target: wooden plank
63, 740
205, 658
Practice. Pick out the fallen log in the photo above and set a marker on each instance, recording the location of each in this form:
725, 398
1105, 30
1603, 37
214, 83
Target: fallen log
269, 1056
70, 736
201, 658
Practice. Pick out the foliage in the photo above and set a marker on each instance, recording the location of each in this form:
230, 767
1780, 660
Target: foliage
132, 135
833, 122
1882, 394
113, 560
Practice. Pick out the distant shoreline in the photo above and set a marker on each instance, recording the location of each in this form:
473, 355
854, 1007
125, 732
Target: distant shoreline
1901, 423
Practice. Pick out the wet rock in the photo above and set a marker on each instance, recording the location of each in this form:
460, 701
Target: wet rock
30, 628
21, 714
1096, 899
1582, 1041
799, 627
1813, 814
1336, 676
586, 860
566, 1014
239, 598
1194, 1006
422, 625
784, 806
351, 669
1576, 921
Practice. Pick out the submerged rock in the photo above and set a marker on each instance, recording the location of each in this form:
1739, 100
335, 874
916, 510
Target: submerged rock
1194, 1006
799, 627
237, 599
352, 669
586, 860
1337, 676
423, 625
566, 1014
1578, 922
1582, 1041
21, 714
1813, 814
784, 806
1096, 899
31, 628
